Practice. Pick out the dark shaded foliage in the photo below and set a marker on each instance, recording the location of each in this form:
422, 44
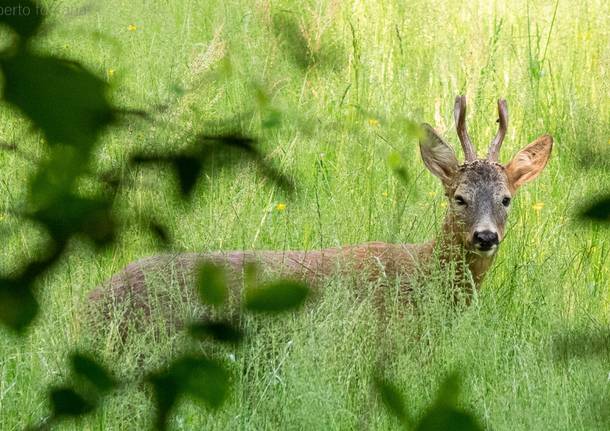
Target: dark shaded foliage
18, 305
303, 55
88, 368
223, 332
63, 99
597, 210
161, 233
445, 414
275, 297
91, 217
392, 399
212, 284
196, 377
218, 150
69, 106
22, 18
65, 401
287, 30
442, 414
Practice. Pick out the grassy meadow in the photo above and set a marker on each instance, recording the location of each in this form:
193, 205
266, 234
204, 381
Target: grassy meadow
332, 90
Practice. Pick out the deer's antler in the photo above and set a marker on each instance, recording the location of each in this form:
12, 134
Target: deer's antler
459, 113
494, 148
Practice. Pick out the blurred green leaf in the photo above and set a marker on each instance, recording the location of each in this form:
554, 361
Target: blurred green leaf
392, 399
449, 391
161, 233
442, 418
18, 306
88, 368
218, 331
72, 215
167, 391
188, 169
64, 100
215, 150
21, 16
56, 175
67, 402
444, 413
414, 130
288, 32
212, 284
282, 295
598, 210
273, 118
396, 163
197, 377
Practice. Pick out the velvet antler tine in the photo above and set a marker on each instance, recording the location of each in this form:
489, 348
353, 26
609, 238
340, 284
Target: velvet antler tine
459, 114
494, 148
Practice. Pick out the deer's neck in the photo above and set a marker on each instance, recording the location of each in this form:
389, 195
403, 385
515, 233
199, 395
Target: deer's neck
468, 267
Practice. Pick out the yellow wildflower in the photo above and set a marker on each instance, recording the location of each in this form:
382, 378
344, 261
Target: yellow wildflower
431, 194
538, 206
373, 122
280, 207
110, 73
384, 194
132, 27
443, 204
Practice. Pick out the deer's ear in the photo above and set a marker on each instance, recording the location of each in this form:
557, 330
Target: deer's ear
529, 162
438, 157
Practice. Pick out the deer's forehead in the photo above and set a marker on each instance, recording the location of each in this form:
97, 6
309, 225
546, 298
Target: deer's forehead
481, 177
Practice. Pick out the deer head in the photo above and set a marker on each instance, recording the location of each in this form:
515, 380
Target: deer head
480, 191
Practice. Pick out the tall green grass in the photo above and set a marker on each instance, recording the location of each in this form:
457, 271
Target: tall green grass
374, 70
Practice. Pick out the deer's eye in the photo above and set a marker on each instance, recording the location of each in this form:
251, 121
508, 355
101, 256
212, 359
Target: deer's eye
459, 200
506, 201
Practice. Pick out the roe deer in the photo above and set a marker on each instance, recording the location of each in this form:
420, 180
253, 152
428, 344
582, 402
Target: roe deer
479, 192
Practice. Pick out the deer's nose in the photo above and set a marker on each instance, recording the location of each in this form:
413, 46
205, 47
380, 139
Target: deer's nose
485, 239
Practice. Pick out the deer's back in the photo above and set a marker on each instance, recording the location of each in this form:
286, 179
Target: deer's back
157, 281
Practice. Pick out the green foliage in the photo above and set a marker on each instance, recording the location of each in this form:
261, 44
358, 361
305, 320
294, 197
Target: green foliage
223, 332
18, 306
276, 297
66, 401
63, 99
212, 284
20, 16
392, 399
86, 366
196, 377
205, 150
444, 413
598, 210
